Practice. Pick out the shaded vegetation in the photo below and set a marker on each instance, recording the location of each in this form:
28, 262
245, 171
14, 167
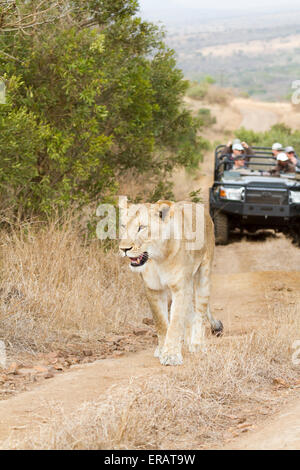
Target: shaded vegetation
208, 92
278, 133
91, 95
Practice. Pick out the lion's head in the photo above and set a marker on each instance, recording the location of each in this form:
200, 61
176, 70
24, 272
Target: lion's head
144, 233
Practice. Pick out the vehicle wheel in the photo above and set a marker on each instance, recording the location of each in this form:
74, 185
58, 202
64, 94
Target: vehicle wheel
295, 235
221, 228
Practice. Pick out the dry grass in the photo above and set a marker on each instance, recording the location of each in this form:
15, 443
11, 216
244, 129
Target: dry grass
187, 407
56, 287
210, 94
197, 91
218, 95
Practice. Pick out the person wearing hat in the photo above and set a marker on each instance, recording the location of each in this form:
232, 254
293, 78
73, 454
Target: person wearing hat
228, 150
290, 151
238, 157
276, 149
284, 165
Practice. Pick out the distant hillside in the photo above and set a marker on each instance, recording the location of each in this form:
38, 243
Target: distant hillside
258, 54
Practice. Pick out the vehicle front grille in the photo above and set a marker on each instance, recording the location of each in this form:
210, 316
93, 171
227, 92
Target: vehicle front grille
277, 197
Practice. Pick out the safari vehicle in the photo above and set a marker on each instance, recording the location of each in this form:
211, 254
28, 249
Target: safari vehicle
251, 198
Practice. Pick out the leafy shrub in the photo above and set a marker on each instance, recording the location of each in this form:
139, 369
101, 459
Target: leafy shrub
217, 95
278, 133
206, 119
196, 196
87, 104
197, 91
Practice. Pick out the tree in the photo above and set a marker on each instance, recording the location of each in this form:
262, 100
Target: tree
16, 16
90, 96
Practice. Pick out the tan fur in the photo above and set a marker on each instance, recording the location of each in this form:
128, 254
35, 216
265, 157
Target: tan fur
176, 272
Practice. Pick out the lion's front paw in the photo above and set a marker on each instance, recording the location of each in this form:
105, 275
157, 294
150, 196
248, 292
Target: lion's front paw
169, 359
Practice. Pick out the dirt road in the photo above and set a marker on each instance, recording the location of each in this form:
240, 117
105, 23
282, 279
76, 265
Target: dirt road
254, 118
254, 266
23, 415
281, 432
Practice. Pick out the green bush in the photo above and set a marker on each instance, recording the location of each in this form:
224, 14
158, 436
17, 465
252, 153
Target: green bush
278, 133
197, 91
89, 98
206, 119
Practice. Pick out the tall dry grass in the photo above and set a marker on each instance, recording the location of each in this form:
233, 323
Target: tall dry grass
187, 407
56, 286
218, 95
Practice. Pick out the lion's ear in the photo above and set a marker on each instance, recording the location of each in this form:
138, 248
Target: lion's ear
164, 210
123, 203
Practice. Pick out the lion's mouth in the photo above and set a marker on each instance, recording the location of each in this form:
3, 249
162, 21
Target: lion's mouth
140, 261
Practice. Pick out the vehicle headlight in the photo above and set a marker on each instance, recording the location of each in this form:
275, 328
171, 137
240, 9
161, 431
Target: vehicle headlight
232, 194
295, 197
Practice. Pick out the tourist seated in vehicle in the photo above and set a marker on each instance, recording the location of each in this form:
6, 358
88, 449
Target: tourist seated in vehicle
240, 163
228, 150
290, 151
284, 165
238, 159
277, 148
236, 154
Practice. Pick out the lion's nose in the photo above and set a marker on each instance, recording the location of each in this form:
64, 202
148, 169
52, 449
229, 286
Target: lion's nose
126, 249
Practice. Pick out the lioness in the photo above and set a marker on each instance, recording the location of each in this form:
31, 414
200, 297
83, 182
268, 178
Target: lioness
173, 269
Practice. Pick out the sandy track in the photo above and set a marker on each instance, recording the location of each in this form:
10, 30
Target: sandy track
247, 266
281, 432
257, 119
257, 253
259, 116
273, 259
23, 414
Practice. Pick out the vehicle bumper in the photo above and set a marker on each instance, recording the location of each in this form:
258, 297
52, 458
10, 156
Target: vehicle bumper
264, 214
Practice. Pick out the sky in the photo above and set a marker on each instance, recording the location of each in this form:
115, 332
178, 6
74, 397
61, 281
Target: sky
217, 4
179, 10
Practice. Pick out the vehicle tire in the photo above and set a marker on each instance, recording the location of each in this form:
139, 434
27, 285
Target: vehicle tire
221, 228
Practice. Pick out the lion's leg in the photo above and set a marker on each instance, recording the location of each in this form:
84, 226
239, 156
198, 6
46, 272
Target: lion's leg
216, 325
202, 294
158, 301
182, 301
189, 323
